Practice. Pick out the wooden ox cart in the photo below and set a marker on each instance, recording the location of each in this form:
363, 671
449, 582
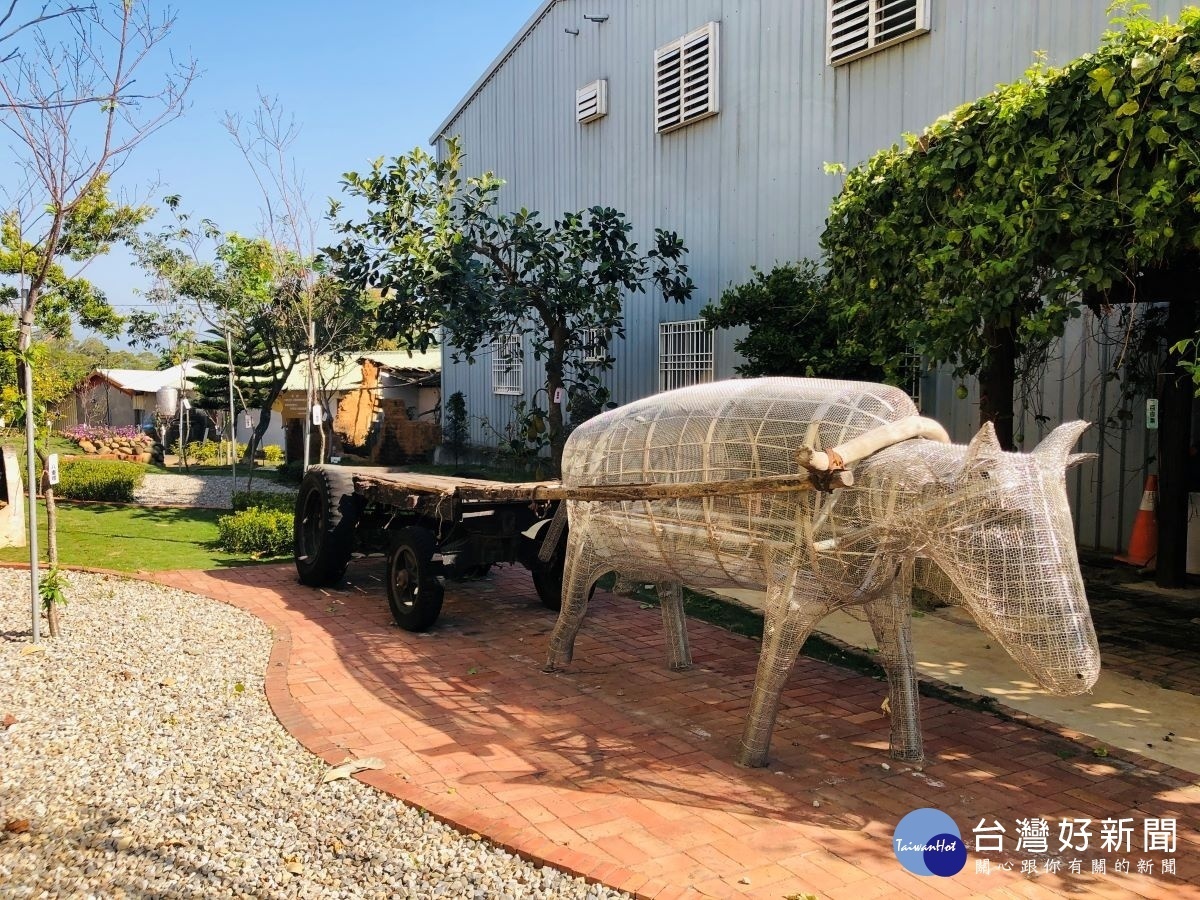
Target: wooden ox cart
434, 526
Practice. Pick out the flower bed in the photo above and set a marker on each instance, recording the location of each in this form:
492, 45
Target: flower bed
126, 442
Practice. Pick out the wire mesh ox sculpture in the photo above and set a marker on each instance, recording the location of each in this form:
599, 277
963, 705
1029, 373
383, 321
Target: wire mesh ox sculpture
992, 528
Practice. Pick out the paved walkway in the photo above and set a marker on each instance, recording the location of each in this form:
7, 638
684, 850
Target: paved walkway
622, 770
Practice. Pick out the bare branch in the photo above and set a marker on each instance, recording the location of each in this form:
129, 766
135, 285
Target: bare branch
42, 93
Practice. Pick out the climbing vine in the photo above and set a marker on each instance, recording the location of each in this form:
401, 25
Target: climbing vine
1075, 187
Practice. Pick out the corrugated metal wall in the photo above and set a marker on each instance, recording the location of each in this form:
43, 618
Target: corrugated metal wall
747, 187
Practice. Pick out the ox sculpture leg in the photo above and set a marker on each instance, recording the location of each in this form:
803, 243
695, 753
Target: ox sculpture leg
787, 622
579, 574
670, 597
890, 616
679, 653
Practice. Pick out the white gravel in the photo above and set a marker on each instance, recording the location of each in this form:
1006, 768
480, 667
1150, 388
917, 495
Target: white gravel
147, 762
199, 490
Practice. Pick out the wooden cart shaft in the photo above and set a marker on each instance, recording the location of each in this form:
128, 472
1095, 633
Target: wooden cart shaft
411, 490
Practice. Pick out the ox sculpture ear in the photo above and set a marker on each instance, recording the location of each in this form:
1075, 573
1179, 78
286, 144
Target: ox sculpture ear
1078, 459
1055, 448
984, 445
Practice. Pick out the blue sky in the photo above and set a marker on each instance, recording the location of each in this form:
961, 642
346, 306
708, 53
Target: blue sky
363, 79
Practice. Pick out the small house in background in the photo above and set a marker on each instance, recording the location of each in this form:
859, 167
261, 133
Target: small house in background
394, 414
381, 405
125, 397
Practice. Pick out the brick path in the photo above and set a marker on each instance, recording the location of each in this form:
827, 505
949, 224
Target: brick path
622, 771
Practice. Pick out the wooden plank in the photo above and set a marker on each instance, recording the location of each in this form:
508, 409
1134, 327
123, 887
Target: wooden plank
410, 491
768, 484
404, 484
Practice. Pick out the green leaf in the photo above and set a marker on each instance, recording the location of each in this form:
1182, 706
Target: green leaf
1128, 108
1143, 63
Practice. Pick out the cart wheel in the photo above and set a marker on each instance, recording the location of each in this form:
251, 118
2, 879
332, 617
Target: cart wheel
548, 583
414, 592
327, 512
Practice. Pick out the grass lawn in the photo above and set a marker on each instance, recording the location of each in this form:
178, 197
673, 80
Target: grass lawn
129, 538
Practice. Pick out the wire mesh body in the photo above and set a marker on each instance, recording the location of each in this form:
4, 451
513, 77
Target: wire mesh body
983, 528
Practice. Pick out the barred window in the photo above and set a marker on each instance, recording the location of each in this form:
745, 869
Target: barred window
506, 365
685, 354
595, 344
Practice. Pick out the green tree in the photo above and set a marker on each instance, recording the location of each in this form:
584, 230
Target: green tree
1074, 187
795, 328
252, 368
78, 104
441, 255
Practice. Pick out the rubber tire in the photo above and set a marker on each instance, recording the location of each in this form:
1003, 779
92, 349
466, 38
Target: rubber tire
327, 512
548, 584
417, 602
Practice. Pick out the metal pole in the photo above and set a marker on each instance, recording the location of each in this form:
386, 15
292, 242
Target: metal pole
309, 393
34, 598
232, 416
182, 455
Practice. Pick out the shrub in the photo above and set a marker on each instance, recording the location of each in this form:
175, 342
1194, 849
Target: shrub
263, 532
457, 428
272, 454
263, 500
209, 453
81, 479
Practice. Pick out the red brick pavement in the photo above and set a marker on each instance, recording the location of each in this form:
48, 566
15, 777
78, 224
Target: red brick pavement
622, 771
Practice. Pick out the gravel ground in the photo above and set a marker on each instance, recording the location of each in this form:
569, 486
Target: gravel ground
143, 760
198, 490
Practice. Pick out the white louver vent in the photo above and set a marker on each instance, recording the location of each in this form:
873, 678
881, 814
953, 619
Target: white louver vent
859, 27
685, 79
591, 102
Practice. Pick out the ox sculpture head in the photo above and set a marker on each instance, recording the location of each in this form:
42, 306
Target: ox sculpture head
1001, 532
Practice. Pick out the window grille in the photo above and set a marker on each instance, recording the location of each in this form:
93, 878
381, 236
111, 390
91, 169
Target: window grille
591, 102
685, 354
859, 27
912, 371
685, 79
595, 344
506, 365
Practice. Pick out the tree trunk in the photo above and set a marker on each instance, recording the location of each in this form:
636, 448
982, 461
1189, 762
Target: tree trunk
1174, 441
997, 381
554, 383
51, 537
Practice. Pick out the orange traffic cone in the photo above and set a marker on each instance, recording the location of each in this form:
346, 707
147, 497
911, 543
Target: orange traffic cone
1143, 542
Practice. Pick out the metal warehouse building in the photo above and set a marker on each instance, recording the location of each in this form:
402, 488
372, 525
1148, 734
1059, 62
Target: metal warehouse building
715, 118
